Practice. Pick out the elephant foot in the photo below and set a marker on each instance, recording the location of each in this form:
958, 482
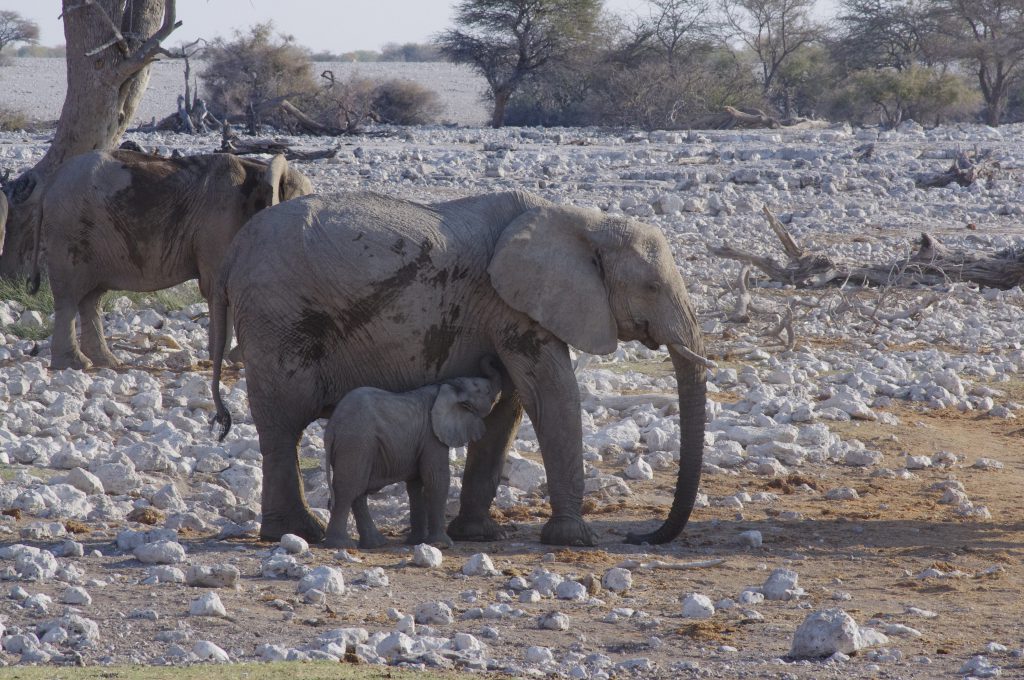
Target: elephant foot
104, 360
371, 541
75, 360
440, 540
235, 354
342, 541
567, 531
476, 529
301, 523
416, 539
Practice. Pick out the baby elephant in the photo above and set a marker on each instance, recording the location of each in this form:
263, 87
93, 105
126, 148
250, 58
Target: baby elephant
375, 438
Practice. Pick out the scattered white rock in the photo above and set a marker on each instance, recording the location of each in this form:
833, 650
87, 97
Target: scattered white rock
554, 621
617, 580
207, 651
212, 576
296, 545
160, 552
207, 604
327, 580
479, 564
697, 606
434, 613
428, 556
782, 584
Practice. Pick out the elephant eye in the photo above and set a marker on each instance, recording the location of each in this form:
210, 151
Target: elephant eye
653, 287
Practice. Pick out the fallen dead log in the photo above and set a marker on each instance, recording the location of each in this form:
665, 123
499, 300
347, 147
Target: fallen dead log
661, 564
732, 118
932, 264
967, 168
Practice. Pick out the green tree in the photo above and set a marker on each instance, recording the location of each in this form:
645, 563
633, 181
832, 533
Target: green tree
988, 35
506, 40
917, 92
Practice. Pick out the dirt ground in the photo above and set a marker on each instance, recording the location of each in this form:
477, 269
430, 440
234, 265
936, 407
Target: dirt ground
872, 548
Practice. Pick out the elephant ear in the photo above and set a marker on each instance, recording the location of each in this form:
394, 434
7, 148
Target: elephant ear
453, 420
273, 177
547, 266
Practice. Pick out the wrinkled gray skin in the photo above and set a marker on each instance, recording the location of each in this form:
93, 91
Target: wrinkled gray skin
124, 220
375, 438
359, 289
4, 210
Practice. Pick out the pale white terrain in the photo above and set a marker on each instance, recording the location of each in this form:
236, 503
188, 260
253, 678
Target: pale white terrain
860, 498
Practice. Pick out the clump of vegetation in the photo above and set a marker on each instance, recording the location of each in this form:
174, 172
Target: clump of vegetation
253, 73
404, 102
12, 120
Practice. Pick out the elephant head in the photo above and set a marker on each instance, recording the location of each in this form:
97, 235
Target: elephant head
457, 416
280, 182
591, 280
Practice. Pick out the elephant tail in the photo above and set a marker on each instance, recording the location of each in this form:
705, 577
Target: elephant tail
218, 340
35, 277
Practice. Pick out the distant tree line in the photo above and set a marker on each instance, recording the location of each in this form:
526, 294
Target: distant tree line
568, 62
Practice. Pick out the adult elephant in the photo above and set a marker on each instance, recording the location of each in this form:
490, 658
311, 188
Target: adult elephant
331, 293
124, 220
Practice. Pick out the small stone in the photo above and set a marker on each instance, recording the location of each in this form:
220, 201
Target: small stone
160, 552
427, 556
980, 667
842, 493
464, 642
208, 604
212, 576
434, 613
296, 545
571, 590
751, 538
617, 579
553, 621
479, 564
782, 584
394, 645
823, 633
697, 606
529, 596
207, 651
539, 655
76, 595
325, 579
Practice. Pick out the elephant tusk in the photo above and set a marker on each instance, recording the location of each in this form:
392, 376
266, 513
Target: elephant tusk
690, 355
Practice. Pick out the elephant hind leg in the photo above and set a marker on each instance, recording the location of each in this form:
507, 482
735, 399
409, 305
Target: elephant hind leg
64, 351
284, 506
94, 345
369, 534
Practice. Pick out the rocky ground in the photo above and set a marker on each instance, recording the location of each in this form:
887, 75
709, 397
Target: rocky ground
859, 514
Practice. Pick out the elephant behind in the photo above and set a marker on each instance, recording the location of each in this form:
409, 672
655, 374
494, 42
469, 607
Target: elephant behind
123, 220
331, 294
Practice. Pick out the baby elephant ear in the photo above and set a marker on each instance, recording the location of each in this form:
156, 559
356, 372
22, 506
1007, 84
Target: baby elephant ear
452, 420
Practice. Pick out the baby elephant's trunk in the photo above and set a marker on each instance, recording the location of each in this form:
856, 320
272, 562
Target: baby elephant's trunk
491, 368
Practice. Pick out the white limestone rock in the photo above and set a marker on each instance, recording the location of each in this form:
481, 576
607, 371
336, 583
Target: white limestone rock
160, 552
326, 579
479, 564
697, 606
296, 545
782, 584
424, 555
434, 613
207, 604
205, 650
212, 576
617, 580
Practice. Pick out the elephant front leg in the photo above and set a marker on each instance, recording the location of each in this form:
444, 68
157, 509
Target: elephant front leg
436, 479
94, 345
284, 506
551, 397
484, 463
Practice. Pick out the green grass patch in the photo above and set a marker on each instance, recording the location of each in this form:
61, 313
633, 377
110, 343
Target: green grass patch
17, 291
167, 300
29, 332
282, 670
9, 472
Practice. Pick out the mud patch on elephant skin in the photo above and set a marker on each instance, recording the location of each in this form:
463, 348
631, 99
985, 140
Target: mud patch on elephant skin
80, 247
439, 338
527, 344
364, 310
314, 335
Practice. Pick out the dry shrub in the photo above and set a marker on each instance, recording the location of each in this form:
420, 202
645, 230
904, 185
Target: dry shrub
257, 69
12, 120
404, 102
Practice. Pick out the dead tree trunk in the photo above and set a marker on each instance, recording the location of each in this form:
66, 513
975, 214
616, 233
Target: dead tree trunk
932, 264
110, 44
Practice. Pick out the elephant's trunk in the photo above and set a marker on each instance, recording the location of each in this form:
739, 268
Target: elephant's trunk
692, 384
491, 368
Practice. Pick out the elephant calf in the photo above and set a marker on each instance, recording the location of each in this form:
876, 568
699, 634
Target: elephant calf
124, 220
375, 438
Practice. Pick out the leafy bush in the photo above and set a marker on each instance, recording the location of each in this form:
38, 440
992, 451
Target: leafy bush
404, 102
890, 96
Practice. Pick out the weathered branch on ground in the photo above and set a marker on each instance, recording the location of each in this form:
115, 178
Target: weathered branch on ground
784, 325
932, 264
967, 168
661, 564
732, 118
230, 143
306, 123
